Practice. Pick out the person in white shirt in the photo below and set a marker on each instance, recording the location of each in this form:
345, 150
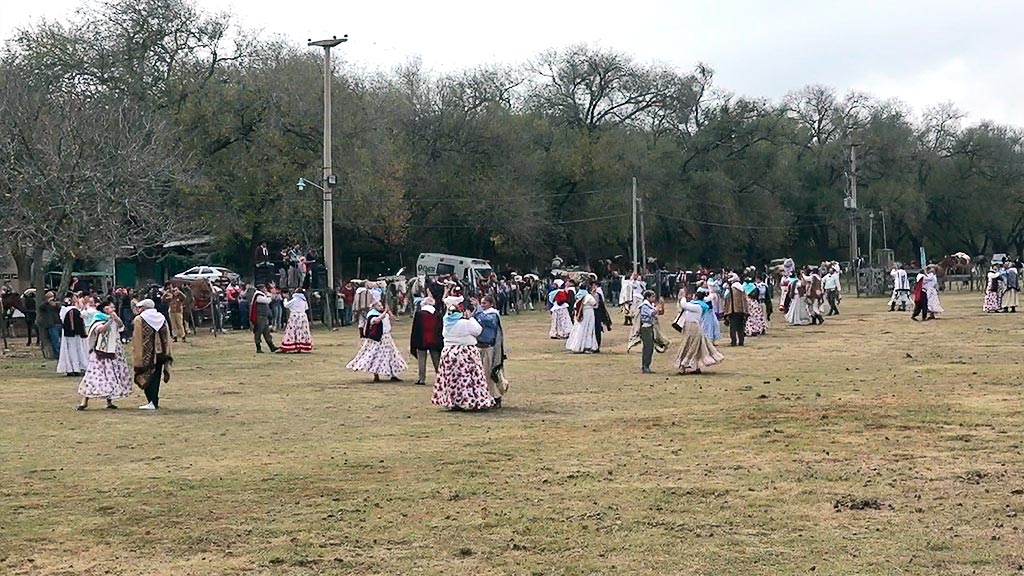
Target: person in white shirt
832, 287
900, 288
696, 351
297, 335
378, 353
461, 383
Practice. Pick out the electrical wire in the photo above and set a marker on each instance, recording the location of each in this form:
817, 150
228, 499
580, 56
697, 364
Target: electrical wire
735, 226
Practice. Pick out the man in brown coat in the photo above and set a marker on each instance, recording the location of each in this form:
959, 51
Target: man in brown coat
175, 300
736, 309
151, 352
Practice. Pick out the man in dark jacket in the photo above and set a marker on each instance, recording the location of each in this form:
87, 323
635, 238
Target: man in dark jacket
426, 339
602, 319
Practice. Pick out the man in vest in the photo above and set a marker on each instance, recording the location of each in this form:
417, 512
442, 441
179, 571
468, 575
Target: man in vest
259, 318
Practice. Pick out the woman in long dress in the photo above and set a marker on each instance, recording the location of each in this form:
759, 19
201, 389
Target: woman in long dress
696, 351
107, 376
756, 322
994, 291
582, 336
461, 383
798, 313
931, 290
561, 321
297, 335
709, 322
378, 354
74, 347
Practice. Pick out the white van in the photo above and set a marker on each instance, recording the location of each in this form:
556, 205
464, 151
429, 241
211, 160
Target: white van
462, 267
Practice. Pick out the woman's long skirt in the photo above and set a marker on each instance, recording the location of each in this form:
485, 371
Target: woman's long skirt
711, 325
379, 357
798, 314
297, 335
934, 304
993, 302
106, 377
561, 323
460, 381
756, 322
696, 351
582, 337
1010, 298
74, 355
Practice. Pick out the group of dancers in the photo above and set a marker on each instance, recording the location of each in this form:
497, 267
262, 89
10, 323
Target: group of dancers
1002, 290
92, 345
579, 315
923, 294
463, 338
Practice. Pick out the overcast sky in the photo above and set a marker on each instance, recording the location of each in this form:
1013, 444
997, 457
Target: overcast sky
923, 52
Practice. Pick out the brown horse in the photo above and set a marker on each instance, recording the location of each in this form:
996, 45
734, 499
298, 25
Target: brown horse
26, 305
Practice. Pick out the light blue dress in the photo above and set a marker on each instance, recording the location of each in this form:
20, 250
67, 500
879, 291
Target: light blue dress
709, 324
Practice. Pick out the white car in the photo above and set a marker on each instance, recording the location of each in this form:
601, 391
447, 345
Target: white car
215, 274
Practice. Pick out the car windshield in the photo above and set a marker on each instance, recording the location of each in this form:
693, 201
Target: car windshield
192, 271
483, 272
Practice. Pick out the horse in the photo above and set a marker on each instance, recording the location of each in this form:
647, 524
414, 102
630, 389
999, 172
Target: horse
957, 264
26, 305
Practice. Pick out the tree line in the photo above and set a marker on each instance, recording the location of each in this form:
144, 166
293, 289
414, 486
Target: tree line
140, 121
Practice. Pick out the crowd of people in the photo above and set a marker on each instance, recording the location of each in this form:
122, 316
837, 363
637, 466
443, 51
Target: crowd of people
459, 329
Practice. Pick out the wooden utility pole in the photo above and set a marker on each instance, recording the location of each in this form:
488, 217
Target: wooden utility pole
643, 235
853, 203
633, 203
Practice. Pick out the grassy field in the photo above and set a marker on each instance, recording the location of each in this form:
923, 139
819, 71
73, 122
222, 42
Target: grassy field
870, 445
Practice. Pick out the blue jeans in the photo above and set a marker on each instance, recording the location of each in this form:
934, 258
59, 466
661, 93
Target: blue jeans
243, 314
346, 319
55, 331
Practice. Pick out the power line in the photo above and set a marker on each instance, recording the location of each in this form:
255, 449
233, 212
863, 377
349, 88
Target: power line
471, 226
736, 226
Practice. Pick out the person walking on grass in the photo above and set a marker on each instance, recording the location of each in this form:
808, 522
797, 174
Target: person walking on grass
736, 308
175, 300
107, 376
491, 344
259, 318
647, 316
426, 339
151, 352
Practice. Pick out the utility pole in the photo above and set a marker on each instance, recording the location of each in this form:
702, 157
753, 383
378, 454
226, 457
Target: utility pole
329, 178
885, 240
852, 205
871, 237
633, 203
643, 234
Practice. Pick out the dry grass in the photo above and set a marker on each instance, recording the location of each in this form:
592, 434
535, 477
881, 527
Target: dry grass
872, 445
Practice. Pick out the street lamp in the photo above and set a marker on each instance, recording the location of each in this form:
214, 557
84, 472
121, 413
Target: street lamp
329, 180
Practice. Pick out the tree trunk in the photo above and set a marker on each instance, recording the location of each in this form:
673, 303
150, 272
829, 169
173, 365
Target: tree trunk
65, 276
39, 281
23, 263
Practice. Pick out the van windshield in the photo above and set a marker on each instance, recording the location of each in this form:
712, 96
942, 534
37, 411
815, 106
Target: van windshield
483, 272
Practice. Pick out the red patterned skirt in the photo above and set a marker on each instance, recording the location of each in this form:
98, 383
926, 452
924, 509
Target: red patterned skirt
460, 380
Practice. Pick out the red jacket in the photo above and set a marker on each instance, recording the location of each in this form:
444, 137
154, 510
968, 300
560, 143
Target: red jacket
426, 332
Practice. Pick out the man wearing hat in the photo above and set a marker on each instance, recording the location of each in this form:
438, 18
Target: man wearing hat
151, 352
259, 318
736, 308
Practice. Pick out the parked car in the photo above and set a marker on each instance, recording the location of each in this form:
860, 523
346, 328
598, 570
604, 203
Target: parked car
215, 274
